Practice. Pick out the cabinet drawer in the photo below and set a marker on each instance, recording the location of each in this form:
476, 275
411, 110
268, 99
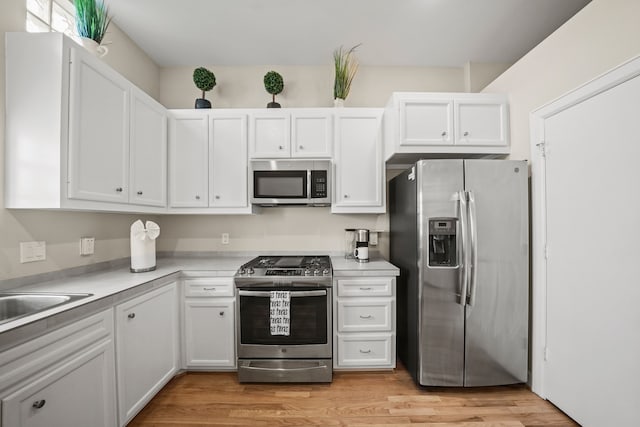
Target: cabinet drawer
208, 286
379, 286
363, 315
365, 350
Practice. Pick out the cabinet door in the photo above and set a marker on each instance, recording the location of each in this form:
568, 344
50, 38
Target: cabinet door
270, 134
147, 347
359, 168
311, 134
209, 333
78, 392
189, 160
228, 170
98, 131
148, 162
481, 122
426, 122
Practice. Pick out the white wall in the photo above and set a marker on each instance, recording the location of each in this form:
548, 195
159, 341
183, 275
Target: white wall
62, 230
599, 37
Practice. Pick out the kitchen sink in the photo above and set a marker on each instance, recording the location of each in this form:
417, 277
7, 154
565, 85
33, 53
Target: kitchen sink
16, 305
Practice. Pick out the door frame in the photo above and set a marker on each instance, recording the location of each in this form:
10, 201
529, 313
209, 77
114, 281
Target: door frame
537, 118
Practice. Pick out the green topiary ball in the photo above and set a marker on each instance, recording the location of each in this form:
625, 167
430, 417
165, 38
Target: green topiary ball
273, 83
204, 79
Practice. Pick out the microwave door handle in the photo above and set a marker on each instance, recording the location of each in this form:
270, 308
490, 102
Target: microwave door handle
309, 184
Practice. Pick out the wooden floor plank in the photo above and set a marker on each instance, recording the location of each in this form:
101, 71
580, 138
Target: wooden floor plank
354, 399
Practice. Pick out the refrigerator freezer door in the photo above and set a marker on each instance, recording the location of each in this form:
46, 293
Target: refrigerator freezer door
441, 316
496, 336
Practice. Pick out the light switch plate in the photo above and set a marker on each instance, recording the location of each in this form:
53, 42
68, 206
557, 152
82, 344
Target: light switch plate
33, 251
373, 238
225, 238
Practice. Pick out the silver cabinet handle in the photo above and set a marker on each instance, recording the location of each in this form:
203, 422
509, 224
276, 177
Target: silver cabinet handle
221, 314
119, 189
365, 351
366, 289
197, 197
368, 316
38, 404
217, 197
131, 315
280, 147
301, 147
466, 134
208, 289
346, 196
444, 133
139, 193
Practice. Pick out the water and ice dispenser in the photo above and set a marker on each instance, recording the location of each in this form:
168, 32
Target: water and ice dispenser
442, 242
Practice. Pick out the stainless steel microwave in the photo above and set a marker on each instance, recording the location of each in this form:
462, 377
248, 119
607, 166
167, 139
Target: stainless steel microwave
290, 182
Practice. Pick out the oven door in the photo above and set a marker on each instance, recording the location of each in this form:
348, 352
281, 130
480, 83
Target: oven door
310, 324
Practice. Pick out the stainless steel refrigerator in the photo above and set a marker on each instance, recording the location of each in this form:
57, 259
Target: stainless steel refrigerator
460, 236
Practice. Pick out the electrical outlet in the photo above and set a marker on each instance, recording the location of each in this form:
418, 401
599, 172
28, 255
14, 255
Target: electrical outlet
225, 238
373, 238
33, 251
87, 245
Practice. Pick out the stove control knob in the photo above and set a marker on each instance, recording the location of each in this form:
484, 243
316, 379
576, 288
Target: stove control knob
250, 270
325, 272
307, 272
316, 272
242, 270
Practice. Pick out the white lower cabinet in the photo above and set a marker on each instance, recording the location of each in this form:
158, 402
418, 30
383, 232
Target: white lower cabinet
364, 323
64, 378
209, 323
146, 347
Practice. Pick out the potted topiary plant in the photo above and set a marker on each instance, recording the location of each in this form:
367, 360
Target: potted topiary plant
92, 22
345, 70
205, 80
274, 84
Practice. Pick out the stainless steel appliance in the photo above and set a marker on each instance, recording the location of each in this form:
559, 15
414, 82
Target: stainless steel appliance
305, 355
459, 234
290, 182
361, 252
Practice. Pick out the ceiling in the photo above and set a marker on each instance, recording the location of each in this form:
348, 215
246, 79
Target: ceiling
440, 33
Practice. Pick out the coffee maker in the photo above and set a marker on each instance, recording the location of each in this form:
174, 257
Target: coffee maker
361, 252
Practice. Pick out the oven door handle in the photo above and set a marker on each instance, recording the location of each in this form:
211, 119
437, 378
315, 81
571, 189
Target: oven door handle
292, 294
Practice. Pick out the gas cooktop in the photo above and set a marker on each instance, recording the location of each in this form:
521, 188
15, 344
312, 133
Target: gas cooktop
283, 266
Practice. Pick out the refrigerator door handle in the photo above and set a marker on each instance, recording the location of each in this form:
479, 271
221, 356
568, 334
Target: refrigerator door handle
473, 232
464, 285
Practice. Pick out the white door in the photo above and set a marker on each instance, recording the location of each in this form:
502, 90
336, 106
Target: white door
592, 230
311, 134
359, 168
188, 160
146, 347
148, 173
209, 332
228, 170
426, 122
481, 122
270, 134
98, 131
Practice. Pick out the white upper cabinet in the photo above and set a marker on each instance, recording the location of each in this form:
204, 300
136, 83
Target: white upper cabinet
287, 133
98, 131
270, 134
311, 133
418, 124
188, 159
148, 151
228, 166
208, 162
92, 141
359, 178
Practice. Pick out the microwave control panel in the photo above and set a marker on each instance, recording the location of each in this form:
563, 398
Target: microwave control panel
318, 184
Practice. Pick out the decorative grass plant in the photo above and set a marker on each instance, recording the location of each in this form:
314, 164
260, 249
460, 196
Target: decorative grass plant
92, 19
346, 68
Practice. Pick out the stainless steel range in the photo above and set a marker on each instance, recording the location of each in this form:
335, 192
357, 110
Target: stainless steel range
284, 319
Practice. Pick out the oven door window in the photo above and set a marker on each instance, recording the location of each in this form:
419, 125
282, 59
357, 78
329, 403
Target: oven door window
308, 320
280, 184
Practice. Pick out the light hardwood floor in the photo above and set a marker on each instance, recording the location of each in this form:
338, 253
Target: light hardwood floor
353, 399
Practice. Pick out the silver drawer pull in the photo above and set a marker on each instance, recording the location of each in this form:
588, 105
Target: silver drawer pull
368, 316
365, 351
39, 404
208, 289
221, 314
131, 315
366, 289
